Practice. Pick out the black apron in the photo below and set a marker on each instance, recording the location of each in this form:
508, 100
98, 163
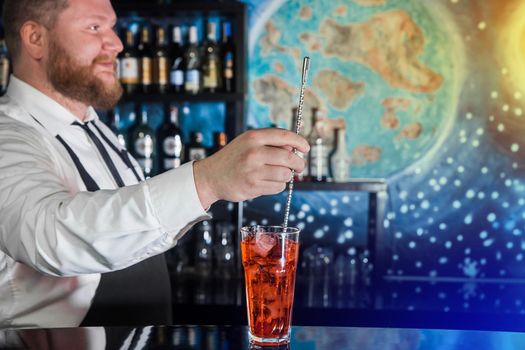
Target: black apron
137, 295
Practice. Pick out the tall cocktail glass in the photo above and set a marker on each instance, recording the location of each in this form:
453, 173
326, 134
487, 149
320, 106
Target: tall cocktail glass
269, 257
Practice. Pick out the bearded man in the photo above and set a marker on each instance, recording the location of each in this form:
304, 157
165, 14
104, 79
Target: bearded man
82, 232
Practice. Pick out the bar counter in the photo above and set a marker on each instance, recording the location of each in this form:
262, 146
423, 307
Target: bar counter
411, 315
235, 338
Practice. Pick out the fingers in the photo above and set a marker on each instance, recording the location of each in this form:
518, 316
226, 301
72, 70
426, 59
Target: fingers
271, 187
278, 138
258, 162
275, 174
266, 181
283, 158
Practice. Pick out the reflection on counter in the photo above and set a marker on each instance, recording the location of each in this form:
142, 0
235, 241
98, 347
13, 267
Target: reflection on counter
325, 298
235, 338
153, 337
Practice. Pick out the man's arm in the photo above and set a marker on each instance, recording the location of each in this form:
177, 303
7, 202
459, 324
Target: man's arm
59, 233
45, 226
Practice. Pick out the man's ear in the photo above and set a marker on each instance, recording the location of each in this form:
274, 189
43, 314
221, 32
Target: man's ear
34, 39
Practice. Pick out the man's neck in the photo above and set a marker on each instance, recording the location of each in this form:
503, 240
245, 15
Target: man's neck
77, 108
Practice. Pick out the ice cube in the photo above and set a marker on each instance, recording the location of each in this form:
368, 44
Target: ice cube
275, 311
263, 244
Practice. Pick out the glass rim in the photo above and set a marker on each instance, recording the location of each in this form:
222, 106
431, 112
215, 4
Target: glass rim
270, 229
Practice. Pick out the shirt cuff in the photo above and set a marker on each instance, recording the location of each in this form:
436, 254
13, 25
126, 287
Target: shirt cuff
175, 199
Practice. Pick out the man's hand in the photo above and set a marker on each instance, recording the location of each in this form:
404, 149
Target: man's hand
258, 162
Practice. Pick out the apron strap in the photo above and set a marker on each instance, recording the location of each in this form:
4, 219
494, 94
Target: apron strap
135, 296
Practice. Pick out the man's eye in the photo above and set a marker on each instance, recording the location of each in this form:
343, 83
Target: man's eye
94, 27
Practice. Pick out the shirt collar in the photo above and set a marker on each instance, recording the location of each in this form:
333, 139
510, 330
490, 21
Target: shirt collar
51, 114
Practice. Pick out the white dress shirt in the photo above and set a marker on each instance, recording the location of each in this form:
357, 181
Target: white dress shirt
55, 237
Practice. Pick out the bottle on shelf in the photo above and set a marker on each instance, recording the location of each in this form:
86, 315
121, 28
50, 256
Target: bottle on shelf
146, 60
194, 338
4, 66
211, 77
192, 59
220, 139
179, 340
318, 156
114, 119
211, 338
339, 158
225, 264
303, 176
143, 140
224, 249
129, 64
227, 58
195, 150
177, 61
161, 65
169, 138
204, 248
122, 36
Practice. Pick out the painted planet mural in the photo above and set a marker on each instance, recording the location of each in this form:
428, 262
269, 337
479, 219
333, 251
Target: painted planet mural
389, 71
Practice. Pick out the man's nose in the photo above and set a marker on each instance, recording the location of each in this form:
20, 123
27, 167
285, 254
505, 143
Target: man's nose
113, 42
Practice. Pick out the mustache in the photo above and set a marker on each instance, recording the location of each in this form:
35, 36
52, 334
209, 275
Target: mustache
106, 59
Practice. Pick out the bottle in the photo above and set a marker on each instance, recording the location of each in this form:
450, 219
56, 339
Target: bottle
4, 66
129, 65
204, 248
143, 140
211, 77
117, 68
225, 266
118, 61
318, 156
179, 340
177, 62
161, 62
227, 58
146, 61
194, 338
224, 249
211, 338
195, 149
220, 139
339, 158
303, 176
192, 81
169, 136
114, 118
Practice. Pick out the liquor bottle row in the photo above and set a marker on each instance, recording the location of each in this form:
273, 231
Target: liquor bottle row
209, 247
204, 264
206, 270
163, 65
327, 160
162, 149
167, 64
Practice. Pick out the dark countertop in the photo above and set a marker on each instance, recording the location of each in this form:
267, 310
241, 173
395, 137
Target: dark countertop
464, 305
235, 338
412, 315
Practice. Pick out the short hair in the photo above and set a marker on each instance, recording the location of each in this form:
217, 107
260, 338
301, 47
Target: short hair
17, 12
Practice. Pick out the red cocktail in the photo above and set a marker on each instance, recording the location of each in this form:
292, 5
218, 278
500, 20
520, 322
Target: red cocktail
269, 257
